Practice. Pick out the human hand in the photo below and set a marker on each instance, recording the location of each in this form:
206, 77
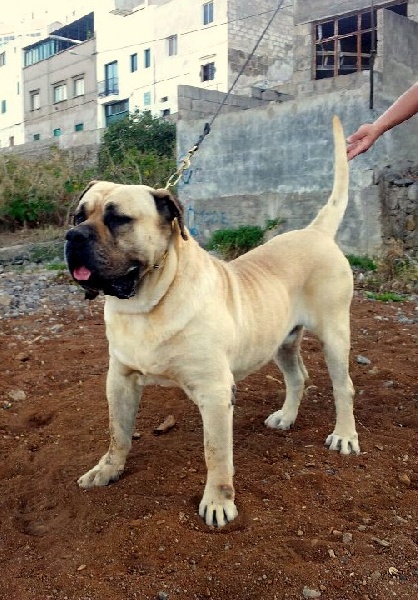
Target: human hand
361, 140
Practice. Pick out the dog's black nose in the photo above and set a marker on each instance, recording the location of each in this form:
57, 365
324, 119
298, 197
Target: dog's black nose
80, 234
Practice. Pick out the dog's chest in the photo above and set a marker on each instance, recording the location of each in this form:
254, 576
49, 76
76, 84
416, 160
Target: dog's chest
141, 347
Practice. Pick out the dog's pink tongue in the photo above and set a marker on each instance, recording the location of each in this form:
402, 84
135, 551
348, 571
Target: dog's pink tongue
81, 273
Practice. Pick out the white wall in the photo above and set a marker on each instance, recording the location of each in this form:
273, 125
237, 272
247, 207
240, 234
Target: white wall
149, 26
11, 90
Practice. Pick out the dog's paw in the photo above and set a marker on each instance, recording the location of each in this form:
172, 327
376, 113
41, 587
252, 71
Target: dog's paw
345, 445
217, 507
99, 476
280, 420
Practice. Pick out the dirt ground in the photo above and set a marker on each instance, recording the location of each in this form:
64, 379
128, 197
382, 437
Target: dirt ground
311, 523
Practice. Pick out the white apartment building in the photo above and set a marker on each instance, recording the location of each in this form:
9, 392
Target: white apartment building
134, 56
146, 49
11, 87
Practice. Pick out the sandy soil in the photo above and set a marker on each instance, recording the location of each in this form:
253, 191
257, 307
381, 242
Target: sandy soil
312, 523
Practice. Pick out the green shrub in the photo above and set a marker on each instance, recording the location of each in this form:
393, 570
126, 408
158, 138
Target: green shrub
386, 296
139, 149
363, 262
39, 192
231, 243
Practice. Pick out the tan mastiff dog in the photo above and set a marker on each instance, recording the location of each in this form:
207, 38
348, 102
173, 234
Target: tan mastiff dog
175, 315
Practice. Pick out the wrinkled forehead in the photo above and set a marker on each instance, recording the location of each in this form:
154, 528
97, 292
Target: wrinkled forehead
132, 200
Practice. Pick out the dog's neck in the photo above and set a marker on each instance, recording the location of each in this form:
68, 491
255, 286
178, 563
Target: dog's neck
158, 265
153, 286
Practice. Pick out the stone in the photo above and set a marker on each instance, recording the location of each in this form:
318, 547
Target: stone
17, 395
309, 593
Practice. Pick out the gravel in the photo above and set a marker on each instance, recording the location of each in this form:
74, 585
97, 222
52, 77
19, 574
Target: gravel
37, 289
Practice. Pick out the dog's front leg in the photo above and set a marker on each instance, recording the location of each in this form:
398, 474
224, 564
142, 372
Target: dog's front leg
216, 407
124, 391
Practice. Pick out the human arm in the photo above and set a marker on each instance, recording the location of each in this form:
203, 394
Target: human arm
401, 110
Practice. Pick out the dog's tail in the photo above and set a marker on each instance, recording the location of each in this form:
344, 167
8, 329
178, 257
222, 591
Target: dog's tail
330, 216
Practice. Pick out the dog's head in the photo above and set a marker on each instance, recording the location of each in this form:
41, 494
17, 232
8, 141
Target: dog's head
120, 233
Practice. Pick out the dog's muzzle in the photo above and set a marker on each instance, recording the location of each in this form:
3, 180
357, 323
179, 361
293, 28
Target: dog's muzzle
84, 266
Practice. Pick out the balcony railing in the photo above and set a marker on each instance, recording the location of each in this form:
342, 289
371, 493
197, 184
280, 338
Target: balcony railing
109, 87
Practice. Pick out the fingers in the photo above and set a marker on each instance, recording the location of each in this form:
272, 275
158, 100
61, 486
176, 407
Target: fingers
357, 148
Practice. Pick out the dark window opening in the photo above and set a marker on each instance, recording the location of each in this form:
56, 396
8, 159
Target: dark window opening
207, 72
344, 45
134, 62
116, 111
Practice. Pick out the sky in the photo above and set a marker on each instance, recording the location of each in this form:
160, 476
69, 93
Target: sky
40, 9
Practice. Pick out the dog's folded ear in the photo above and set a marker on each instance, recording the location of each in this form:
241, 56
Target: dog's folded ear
170, 209
86, 189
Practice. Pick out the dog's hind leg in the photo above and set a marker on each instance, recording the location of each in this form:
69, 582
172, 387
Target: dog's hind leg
336, 342
124, 390
290, 362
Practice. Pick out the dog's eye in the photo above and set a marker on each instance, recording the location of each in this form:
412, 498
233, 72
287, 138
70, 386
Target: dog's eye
113, 220
79, 218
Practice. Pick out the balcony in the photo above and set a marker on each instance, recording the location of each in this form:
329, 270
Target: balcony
108, 87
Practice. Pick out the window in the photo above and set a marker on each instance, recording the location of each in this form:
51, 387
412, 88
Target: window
57, 132
147, 58
35, 102
344, 45
79, 86
207, 72
36, 137
207, 13
165, 112
134, 62
2, 59
116, 111
60, 92
11, 140
3, 106
79, 127
147, 98
172, 45
111, 83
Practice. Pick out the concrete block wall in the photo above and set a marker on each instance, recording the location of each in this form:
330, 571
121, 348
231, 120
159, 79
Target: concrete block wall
273, 59
316, 10
198, 103
277, 162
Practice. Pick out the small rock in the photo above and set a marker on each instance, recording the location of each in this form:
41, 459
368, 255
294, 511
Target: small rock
347, 537
81, 567
404, 478
17, 395
308, 593
5, 300
22, 356
363, 360
136, 435
383, 543
165, 426
162, 596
